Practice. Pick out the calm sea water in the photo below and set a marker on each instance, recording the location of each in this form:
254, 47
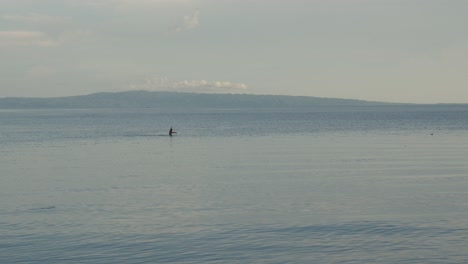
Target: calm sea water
322, 185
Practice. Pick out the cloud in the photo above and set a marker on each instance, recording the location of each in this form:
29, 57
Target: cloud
164, 84
206, 84
19, 35
22, 38
126, 6
126, 2
31, 18
149, 2
189, 22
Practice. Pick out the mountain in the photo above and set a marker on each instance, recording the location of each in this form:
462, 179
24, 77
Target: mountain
145, 99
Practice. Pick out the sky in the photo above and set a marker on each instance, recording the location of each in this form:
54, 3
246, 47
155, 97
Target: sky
378, 50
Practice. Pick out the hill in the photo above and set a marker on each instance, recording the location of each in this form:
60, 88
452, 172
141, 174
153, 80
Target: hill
145, 99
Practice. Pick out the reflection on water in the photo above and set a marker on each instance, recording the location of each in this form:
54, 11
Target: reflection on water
250, 195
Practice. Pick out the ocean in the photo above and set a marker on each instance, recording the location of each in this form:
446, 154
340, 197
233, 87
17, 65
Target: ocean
384, 184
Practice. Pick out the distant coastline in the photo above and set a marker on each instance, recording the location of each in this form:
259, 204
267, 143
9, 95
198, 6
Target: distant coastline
160, 99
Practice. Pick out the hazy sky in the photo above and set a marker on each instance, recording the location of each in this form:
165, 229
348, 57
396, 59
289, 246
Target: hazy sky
383, 50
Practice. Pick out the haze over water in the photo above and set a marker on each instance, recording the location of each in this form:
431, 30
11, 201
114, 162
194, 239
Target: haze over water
318, 185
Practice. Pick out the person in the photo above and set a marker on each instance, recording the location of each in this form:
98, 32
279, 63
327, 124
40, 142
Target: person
171, 132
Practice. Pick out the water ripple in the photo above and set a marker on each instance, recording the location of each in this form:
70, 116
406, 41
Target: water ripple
355, 242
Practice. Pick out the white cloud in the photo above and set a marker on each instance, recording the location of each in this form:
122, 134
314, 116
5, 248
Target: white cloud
20, 35
164, 84
31, 18
207, 84
189, 22
149, 2
125, 6
22, 38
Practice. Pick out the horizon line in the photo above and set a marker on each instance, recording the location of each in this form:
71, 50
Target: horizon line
227, 94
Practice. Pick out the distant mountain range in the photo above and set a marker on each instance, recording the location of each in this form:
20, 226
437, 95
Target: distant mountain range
145, 99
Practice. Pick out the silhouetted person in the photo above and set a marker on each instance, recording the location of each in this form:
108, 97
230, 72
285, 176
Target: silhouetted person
171, 132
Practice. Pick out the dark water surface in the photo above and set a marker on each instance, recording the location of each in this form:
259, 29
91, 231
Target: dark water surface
324, 185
